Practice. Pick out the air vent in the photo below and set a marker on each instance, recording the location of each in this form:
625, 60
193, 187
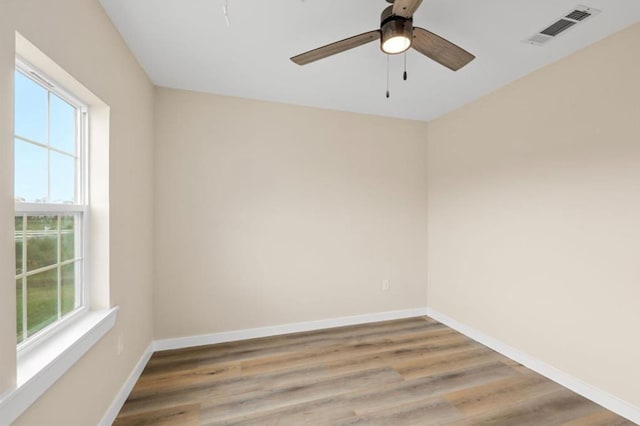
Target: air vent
569, 20
557, 27
578, 15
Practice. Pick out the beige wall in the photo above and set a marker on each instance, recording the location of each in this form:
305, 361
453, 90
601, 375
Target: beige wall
534, 207
78, 36
270, 214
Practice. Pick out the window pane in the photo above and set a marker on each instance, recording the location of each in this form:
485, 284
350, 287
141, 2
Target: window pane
63, 173
62, 125
30, 172
42, 300
67, 238
42, 241
19, 310
30, 109
18, 234
68, 276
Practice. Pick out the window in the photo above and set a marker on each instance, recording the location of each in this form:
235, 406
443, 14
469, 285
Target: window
58, 320
51, 204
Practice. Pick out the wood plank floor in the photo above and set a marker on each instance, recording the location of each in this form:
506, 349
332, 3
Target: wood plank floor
407, 372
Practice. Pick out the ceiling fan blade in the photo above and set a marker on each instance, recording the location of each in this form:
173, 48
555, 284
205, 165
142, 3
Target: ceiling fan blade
335, 48
440, 50
406, 8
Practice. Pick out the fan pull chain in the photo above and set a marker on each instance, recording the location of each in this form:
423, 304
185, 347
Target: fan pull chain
387, 76
404, 76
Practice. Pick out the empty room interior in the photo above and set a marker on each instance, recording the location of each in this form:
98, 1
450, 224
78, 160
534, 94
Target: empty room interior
319, 212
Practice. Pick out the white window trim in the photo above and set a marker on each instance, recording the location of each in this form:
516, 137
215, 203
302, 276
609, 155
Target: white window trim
43, 365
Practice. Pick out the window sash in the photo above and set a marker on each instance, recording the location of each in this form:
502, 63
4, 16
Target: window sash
81, 137
78, 260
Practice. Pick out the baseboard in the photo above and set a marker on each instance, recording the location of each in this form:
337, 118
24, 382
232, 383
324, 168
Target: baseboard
605, 399
252, 333
111, 414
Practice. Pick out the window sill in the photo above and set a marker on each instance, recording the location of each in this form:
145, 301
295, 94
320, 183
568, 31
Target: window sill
43, 365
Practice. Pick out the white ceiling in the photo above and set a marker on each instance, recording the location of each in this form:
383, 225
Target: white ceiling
186, 44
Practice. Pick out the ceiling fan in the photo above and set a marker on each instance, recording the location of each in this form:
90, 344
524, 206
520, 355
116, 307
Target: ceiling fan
397, 34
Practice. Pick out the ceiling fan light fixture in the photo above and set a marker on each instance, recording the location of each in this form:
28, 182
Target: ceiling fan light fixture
396, 32
396, 44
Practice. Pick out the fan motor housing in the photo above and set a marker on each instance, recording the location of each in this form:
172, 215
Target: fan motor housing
392, 26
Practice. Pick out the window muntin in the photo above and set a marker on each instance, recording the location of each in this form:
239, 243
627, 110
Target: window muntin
51, 206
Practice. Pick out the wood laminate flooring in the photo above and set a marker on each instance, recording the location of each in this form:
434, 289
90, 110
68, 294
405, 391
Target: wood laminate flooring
406, 372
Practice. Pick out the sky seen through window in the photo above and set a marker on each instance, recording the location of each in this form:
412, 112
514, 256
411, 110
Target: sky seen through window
45, 144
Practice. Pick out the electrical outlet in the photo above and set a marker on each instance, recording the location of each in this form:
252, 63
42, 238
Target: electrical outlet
120, 343
386, 285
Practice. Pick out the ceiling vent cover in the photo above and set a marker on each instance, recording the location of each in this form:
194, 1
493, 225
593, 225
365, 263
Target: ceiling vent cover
557, 27
569, 20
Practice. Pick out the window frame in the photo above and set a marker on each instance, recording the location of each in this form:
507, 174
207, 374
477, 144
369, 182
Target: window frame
79, 209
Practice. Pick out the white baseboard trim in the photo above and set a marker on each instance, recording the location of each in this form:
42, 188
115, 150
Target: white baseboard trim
605, 399
252, 333
115, 407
